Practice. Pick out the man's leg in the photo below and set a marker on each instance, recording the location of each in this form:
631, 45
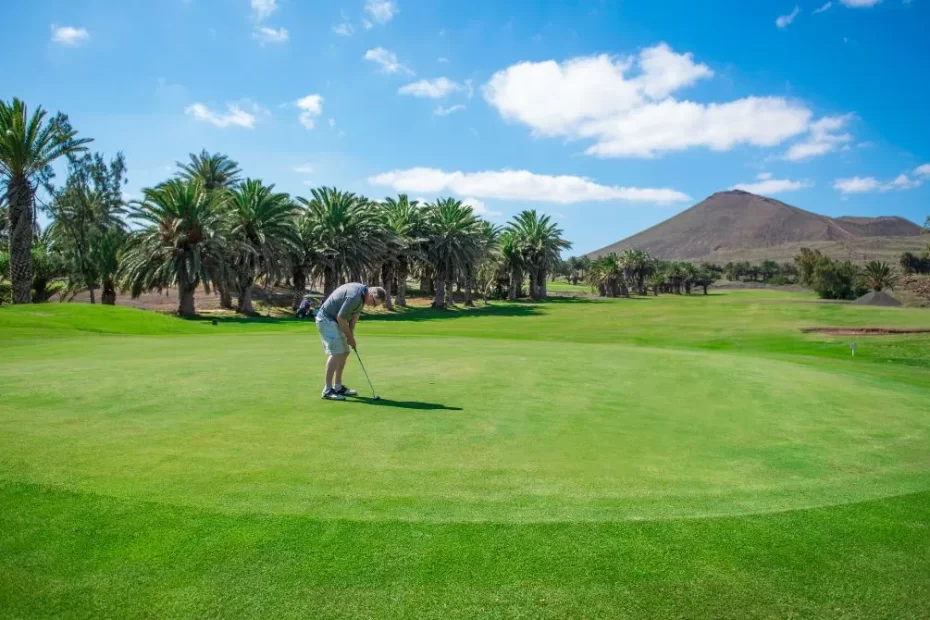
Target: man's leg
332, 367
340, 364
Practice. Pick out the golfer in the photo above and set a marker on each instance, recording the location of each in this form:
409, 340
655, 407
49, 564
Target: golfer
336, 320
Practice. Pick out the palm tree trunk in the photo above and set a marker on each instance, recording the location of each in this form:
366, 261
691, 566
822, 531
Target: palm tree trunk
541, 283
534, 291
387, 282
402, 283
90, 290
450, 300
329, 281
440, 298
299, 280
516, 283
186, 290
19, 199
469, 286
244, 296
108, 296
225, 296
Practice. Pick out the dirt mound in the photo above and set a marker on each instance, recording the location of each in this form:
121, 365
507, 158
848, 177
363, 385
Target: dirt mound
863, 331
878, 298
729, 223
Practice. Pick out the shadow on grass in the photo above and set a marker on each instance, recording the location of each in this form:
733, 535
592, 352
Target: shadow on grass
405, 404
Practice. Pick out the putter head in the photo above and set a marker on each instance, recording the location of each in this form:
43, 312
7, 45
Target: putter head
376, 397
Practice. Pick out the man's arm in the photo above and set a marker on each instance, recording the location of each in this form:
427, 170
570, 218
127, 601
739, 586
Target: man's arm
346, 328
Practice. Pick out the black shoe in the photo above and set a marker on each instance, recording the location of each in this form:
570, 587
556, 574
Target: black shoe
331, 394
345, 391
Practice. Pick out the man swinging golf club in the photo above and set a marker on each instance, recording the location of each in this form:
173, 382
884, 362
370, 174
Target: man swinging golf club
336, 322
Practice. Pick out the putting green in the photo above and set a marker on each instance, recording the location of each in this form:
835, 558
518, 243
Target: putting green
470, 429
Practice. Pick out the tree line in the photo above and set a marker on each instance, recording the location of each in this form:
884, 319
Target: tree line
635, 271
209, 227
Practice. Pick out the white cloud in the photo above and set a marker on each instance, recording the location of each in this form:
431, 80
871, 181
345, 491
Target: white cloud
432, 89
519, 185
785, 20
857, 4
69, 35
769, 186
856, 185
470, 88
261, 9
380, 11
265, 35
480, 208
388, 61
824, 8
304, 169
764, 176
311, 106
822, 138
904, 181
234, 117
442, 59
344, 29
594, 98
441, 111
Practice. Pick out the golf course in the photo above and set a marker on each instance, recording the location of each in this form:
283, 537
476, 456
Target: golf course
655, 457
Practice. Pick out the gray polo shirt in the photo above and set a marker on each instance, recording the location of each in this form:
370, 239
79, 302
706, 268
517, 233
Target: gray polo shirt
346, 301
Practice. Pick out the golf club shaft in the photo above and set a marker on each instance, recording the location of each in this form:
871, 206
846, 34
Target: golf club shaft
373, 393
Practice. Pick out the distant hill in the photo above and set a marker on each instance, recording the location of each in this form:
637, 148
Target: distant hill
737, 225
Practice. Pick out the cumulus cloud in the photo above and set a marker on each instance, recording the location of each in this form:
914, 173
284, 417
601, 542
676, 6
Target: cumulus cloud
432, 89
235, 115
824, 8
923, 170
441, 111
380, 11
344, 29
387, 60
785, 20
856, 185
822, 139
69, 35
480, 208
311, 107
265, 35
519, 185
768, 186
624, 105
904, 181
859, 4
261, 9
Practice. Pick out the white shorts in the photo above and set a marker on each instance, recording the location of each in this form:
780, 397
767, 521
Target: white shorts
334, 341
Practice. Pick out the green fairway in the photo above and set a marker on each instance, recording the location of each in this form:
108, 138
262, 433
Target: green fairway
679, 456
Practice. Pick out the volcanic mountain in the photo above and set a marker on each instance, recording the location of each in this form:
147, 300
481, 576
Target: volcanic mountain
737, 225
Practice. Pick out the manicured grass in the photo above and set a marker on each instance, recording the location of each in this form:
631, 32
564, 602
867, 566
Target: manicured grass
660, 457
560, 286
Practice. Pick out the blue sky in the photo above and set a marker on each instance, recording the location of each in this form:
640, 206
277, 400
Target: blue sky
610, 115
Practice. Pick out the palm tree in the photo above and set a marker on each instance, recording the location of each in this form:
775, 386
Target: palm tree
214, 170
404, 218
178, 243
541, 244
606, 273
513, 263
451, 228
348, 233
487, 243
261, 236
105, 256
880, 275
28, 146
656, 280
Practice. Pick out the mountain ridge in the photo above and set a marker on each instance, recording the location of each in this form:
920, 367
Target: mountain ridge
735, 222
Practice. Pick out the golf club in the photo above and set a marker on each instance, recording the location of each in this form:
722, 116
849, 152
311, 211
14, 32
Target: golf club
373, 395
